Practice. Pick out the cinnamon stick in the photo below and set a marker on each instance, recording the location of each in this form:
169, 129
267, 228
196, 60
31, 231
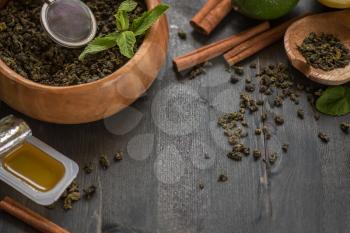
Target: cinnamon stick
255, 44
210, 15
28, 216
215, 49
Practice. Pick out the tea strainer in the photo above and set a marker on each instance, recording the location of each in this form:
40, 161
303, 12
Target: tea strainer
69, 23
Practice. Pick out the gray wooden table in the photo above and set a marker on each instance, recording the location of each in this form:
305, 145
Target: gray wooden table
172, 145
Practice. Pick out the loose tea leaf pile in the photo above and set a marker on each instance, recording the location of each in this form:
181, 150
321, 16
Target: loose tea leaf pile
273, 79
324, 51
27, 49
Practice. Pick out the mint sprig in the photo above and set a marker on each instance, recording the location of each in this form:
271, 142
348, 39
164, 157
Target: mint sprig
126, 33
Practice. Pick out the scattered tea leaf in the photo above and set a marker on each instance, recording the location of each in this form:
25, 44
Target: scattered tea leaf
324, 137
300, 113
88, 168
182, 35
285, 148
258, 131
118, 156
239, 70
89, 192
104, 162
234, 79
256, 154
273, 158
71, 195
222, 178
345, 127
279, 120
252, 65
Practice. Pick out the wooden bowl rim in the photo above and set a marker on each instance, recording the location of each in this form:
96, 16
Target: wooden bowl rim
145, 46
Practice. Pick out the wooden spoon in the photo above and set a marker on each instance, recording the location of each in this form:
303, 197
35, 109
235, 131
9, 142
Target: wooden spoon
336, 23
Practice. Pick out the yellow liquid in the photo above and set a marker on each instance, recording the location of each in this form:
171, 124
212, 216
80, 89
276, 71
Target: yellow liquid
34, 166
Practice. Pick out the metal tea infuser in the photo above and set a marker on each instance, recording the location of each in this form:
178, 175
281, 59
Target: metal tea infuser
69, 23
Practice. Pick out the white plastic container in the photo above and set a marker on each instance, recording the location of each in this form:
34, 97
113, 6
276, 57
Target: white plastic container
13, 133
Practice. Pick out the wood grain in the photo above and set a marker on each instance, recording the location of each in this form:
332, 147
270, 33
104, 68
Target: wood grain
335, 23
307, 191
92, 101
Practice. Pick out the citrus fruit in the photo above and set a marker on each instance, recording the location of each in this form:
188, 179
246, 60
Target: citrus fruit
264, 9
336, 3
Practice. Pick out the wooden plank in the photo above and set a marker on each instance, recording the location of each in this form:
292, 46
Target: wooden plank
219, 207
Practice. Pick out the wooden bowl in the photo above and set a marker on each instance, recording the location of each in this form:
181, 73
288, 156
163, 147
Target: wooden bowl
92, 101
336, 23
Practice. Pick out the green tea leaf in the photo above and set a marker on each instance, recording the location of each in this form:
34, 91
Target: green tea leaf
141, 24
100, 44
122, 20
126, 42
334, 101
128, 6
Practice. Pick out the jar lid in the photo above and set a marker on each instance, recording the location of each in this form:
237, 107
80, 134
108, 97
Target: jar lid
13, 131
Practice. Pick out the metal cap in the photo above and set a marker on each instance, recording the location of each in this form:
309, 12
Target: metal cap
13, 131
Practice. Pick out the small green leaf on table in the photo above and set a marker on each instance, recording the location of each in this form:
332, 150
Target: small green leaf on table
334, 101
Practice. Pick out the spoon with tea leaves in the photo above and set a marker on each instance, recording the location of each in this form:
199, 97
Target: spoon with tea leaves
318, 46
69, 23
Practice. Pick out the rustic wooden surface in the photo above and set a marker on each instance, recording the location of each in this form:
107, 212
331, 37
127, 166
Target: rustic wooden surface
167, 135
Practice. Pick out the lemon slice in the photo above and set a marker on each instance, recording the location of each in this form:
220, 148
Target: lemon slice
341, 4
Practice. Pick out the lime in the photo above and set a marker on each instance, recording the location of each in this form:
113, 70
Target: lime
341, 4
264, 9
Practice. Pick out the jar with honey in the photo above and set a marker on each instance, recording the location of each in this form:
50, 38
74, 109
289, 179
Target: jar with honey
30, 166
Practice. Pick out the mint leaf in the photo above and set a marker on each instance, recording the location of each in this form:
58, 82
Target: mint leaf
122, 20
128, 6
334, 101
99, 44
141, 24
126, 42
